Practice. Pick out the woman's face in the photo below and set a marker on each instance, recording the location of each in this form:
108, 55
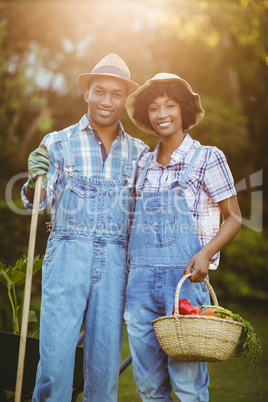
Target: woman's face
165, 117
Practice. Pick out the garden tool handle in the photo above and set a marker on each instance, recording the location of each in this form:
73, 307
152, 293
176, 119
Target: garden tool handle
28, 286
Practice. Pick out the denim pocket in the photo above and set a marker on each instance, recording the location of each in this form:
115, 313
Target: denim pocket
81, 205
52, 250
141, 285
115, 207
159, 223
201, 292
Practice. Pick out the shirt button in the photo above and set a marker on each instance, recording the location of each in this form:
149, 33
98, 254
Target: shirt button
82, 192
125, 182
71, 174
54, 233
100, 142
139, 193
47, 255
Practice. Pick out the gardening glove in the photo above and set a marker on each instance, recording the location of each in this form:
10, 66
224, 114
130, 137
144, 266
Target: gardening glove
38, 164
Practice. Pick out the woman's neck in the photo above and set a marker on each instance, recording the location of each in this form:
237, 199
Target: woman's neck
166, 149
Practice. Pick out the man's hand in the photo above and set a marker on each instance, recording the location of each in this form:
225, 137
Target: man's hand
38, 165
49, 227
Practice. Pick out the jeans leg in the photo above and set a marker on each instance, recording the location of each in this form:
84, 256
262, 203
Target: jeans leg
189, 380
104, 323
149, 362
65, 286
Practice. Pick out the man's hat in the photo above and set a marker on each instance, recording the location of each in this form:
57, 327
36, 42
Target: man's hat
111, 65
161, 77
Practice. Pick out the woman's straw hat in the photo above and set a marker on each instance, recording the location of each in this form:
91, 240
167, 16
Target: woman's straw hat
161, 77
111, 65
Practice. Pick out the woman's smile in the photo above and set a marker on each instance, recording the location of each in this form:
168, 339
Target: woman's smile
165, 117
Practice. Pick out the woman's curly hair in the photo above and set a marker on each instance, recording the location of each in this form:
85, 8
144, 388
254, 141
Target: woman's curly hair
174, 90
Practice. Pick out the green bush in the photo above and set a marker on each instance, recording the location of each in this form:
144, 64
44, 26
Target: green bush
243, 270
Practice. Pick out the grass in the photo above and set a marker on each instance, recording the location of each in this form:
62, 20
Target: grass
230, 381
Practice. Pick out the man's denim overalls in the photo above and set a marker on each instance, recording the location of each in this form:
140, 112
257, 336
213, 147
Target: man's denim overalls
163, 240
84, 277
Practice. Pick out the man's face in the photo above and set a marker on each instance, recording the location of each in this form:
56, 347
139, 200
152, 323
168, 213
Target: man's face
106, 98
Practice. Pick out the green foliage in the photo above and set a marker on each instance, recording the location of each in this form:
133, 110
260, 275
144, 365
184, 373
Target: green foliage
45, 124
243, 270
229, 380
249, 347
14, 232
219, 47
226, 120
13, 276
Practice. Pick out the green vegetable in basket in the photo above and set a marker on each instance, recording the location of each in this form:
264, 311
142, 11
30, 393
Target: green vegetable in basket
248, 347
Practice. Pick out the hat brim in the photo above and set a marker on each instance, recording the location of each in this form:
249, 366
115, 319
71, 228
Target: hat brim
161, 77
83, 81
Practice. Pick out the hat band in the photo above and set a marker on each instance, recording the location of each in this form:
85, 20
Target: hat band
110, 70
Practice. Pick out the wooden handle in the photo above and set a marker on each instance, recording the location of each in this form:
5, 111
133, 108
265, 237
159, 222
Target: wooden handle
28, 286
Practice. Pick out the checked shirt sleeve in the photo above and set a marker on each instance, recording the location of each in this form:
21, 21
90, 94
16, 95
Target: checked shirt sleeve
218, 179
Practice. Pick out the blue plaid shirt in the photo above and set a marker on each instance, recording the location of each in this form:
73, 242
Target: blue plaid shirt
91, 159
209, 182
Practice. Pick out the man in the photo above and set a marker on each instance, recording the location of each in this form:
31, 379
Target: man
89, 173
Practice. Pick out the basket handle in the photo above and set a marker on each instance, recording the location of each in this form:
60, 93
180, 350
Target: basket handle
210, 288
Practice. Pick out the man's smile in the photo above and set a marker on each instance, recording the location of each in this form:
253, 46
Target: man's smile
104, 112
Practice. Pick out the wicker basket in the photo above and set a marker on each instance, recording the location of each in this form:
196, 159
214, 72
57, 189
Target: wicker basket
196, 338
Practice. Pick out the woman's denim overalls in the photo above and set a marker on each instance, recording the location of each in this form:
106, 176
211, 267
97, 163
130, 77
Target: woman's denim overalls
84, 277
163, 240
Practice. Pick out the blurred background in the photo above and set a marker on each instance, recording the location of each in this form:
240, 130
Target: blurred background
219, 47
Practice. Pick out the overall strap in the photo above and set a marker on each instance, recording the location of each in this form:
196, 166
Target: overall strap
128, 166
189, 167
67, 150
145, 170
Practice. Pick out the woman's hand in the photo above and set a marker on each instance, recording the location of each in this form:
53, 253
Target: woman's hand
198, 266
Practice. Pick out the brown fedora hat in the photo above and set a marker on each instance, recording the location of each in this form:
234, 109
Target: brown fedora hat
161, 77
111, 65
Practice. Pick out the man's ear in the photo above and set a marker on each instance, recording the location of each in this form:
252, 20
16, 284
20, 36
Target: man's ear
86, 93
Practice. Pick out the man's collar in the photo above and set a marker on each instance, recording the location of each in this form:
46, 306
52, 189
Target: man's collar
121, 131
84, 123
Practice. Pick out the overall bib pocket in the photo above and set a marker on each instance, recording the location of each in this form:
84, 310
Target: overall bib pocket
114, 210
81, 205
159, 222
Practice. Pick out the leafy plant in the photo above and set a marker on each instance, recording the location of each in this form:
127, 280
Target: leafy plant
249, 347
11, 277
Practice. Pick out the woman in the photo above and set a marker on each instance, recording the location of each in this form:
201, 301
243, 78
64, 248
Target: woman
182, 187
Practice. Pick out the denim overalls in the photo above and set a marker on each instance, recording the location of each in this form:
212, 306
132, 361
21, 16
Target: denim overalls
163, 240
84, 277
